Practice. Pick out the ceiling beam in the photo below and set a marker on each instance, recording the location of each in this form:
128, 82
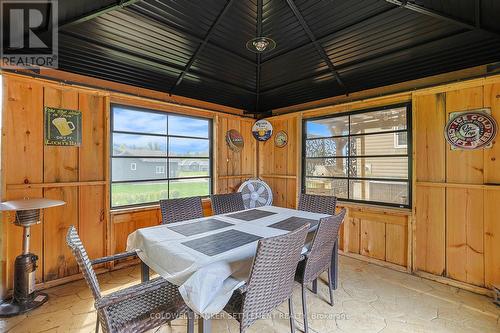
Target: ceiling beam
150, 16
373, 59
328, 35
202, 45
443, 17
98, 12
316, 44
148, 60
259, 56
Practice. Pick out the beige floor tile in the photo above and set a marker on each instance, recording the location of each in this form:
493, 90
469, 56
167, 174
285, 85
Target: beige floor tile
369, 299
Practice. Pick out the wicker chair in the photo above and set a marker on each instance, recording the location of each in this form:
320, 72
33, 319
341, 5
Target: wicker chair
227, 203
321, 204
176, 210
271, 279
318, 259
134, 309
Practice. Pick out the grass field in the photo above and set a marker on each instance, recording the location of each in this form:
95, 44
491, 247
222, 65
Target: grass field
136, 193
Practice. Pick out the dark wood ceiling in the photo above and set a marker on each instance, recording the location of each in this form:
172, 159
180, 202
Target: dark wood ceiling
325, 48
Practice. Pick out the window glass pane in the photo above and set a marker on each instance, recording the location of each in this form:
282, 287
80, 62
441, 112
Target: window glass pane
187, 126
336, 187
326, 147
138, 168
389, 192
138, 121
189, 167
378, 121
379, 167
188, 147
189, 188
326, 167
327, 127
378, 144
123, 194
139, 145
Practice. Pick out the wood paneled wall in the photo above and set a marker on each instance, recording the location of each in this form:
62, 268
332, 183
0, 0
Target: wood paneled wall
452, 234
80, 175
76, 175
372, 233
279, 166
458, 197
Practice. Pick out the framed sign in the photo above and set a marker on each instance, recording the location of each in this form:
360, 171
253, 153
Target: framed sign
62, 127
234, 140
281, 139
470, 130
262, 130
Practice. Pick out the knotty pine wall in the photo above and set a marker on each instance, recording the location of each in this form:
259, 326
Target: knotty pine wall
80, 175
452, 234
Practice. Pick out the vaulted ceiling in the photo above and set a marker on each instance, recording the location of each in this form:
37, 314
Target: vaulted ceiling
325, 48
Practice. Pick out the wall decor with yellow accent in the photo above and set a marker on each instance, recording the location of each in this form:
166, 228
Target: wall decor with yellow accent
62, 127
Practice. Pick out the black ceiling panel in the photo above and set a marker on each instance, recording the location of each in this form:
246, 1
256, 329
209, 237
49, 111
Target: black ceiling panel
196, 48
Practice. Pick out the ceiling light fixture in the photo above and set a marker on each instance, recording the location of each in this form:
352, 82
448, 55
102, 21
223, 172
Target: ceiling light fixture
261, 44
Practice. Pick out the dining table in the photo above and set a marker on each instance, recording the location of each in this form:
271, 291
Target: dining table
208, 258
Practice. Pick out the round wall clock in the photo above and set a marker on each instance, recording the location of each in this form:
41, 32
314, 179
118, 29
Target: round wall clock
262, 130
234, 140
281, 139
470, 130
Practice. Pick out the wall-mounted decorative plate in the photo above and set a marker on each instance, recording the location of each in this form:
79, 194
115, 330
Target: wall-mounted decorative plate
262, 130
234, 140
470, 130
281, 139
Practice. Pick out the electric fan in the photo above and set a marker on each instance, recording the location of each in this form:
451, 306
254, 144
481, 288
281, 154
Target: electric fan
256, 193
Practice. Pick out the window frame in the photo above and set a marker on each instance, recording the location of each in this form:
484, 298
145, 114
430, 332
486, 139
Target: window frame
408, 154
167, 157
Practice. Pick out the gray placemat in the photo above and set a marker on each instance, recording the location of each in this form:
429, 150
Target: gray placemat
293, 223
221, 242
251, 215
199, 227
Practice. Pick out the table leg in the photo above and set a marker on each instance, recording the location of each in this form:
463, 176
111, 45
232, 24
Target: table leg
334, 272
204, 325
144, 272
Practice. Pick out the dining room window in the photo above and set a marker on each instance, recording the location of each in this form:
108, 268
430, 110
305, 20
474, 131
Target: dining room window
361, 156
158, 155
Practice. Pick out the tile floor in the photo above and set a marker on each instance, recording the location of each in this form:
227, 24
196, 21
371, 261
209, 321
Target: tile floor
370, 299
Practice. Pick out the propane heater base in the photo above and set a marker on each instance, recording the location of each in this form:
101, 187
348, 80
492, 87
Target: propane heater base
13, 307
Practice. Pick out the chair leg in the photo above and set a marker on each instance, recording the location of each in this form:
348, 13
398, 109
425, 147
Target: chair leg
304, 309
330, 286
190, 321
97, 324
291, 314
315, 286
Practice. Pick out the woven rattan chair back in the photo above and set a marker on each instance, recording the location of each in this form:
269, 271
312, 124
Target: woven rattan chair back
227, 203
176, 210
321, 204
272, 276
83, 261
320, 254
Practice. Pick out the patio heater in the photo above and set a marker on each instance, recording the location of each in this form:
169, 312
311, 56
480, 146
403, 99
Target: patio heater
25, 298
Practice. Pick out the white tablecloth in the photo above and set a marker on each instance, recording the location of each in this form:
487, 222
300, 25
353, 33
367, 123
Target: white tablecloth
206, 282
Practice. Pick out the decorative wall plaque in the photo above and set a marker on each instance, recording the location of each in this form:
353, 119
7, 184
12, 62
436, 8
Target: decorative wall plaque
63, 127
234, 140
281, 139
470, 130
262, 130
